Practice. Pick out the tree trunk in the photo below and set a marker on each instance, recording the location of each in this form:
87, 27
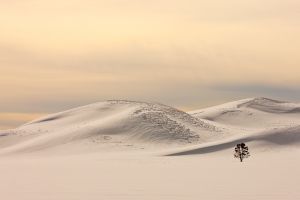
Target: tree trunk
241, 158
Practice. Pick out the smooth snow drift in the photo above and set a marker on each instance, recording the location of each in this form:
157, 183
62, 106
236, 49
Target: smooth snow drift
131, 125
110, 122
130, 150
256, 113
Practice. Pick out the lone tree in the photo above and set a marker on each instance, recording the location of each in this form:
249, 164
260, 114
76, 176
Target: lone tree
241, 151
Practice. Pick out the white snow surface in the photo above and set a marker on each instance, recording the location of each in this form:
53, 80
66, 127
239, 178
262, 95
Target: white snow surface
136, 150
131, 125
116, 122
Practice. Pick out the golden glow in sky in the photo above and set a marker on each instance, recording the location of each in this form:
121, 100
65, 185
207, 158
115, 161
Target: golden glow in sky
58, 54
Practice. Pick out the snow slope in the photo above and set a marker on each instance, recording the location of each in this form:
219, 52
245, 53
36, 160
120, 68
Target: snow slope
126, 125
110, 122
256, 113
218, 176
134, 150
262, 123
271, 140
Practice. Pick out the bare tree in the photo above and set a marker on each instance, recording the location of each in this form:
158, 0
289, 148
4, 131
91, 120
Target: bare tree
241, 151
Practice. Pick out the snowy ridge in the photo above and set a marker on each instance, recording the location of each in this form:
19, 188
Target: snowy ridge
266, 140
110, 122
116, 124
270, 105
258, 113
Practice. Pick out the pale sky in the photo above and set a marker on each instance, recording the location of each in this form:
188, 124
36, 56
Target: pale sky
58, 54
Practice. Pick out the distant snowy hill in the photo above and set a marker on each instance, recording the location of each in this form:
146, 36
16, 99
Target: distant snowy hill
256, 113
124, 125
110, 122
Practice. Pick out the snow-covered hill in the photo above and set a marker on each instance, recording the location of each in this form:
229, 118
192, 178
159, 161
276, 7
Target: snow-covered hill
253, 113
120, 124
265, 124
110, 122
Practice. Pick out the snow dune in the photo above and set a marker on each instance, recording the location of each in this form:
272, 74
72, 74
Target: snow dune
256, 113
267, 140
110, 122
131, 125
135, 150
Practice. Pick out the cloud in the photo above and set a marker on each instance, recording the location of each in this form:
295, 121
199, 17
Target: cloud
56, 55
